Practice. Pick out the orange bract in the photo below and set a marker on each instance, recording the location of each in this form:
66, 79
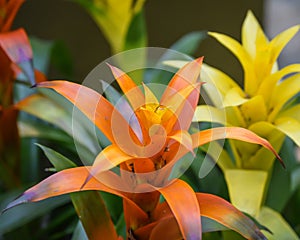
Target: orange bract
146, 161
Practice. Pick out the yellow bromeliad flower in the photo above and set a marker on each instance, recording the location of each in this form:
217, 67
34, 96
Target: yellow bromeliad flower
146, 158
264, 105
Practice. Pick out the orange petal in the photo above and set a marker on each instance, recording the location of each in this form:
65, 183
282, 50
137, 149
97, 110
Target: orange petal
186, 76
184, 138
215, 208
130, 89
223, 212
107, 159
71, 180
183, 202
16, 45
166, 229
18, 49
11, 9
97, 109
179, 104
237, 133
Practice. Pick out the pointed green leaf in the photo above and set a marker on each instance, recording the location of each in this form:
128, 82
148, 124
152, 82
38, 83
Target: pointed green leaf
277, 225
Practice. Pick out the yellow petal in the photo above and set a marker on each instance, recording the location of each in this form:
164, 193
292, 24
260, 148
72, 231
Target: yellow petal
246, 189
290, 127
234, 97
234, 117
281, 40
263, 159
254, 110
237, 49
269, 83
149, 96
292, 112
252, 35
217, 84
284, 92
205, 113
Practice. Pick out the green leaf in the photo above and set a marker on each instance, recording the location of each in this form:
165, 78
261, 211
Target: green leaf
41, 53
79, 233
283, 183
183, 48
20, 215
189, 43
277, 225
61, 59
59, 161
137, 34
93, 214
35, 129
89, 206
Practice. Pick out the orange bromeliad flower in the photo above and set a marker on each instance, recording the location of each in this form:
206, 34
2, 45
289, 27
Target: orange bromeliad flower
146, 147
15, 57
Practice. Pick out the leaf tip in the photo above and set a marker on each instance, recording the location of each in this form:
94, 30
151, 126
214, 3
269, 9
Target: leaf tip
19, 200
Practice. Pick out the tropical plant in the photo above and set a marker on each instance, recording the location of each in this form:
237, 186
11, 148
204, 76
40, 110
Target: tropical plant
146, 157
265, 105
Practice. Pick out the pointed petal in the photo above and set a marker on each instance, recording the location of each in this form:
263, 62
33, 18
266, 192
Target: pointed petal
129, 88
293, 112
237, 133
96, 108
107, 159
183, 138
206, 113
252, 34
180, 104
234, 97
267, 86
115, 97
185, 77
284, 92
12, 7
71, 180
281, 40
217, 84
237, 49
149, 96
290, 127
183, 202
215, 208
223, 212
16, 45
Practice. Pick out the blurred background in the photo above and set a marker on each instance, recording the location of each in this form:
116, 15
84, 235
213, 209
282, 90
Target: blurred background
166, 21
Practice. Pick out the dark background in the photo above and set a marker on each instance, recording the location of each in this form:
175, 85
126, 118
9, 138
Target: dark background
166, 21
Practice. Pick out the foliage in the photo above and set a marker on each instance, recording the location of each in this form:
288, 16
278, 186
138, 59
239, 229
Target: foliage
140, 156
